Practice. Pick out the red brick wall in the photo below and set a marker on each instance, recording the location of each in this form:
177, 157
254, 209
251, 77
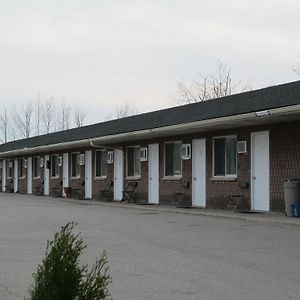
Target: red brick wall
284, 163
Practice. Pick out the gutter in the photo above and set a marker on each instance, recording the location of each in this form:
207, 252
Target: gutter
203, 125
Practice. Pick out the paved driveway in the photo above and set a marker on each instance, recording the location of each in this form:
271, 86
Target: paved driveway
154, 255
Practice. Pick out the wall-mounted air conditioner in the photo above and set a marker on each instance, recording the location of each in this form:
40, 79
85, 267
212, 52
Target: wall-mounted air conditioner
110, 157
144, 154
25, 163
185, 151
242, 147
42, 162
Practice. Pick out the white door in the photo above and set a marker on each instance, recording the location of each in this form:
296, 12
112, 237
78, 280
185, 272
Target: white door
29, 175
46, 175
65, 172
88, 174
16, 176
260, 199
153, 174
199, 173
3, 175
118, 174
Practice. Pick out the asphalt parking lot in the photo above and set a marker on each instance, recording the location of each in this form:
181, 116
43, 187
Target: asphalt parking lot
154, 254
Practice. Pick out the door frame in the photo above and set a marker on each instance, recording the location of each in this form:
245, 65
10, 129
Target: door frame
194, 191
252, 169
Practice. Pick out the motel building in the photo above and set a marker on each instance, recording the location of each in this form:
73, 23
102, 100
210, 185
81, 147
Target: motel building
236, 150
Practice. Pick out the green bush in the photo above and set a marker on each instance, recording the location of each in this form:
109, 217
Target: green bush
60, 275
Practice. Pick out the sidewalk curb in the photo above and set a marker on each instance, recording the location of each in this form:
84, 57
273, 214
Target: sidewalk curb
263, 219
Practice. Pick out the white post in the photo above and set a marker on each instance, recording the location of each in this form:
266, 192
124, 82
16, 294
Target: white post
29, 175
88, 174
46, 175
65, 172
3, 175
16, 175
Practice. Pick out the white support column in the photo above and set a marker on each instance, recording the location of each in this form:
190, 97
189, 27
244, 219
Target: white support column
46, 175
16, 175
88, 174
29, 175
65, 172
3, 175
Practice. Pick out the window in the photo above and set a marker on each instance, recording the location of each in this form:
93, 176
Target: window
54, 166
101, 163
75, 165
225, 156
133, 162
36, 167
10, 169
21, 167
173, 161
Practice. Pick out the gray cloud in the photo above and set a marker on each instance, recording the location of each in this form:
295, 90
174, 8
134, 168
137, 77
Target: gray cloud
103, 53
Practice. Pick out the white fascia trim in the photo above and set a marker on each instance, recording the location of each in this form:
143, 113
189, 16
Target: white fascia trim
151, 132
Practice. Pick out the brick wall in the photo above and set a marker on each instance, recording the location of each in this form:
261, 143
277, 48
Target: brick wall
284, 163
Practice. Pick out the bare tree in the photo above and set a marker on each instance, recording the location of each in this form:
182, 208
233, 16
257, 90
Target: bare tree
209, 87
23, 119
38, 114
125, 110
4, 126
79, 116
48, 114
64, 116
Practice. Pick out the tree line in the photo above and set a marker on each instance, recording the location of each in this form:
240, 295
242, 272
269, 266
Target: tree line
37, 117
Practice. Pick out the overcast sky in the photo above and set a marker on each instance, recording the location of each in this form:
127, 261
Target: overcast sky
104, 53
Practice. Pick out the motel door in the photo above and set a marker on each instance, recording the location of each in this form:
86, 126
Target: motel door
260, 198
199, 173
153, 174
88, 187
118, 174
29, 175
46, 175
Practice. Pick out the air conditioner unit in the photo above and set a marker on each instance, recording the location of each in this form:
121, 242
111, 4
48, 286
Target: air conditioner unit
144, 154
60, 161
25, 163
242, 147
41, 162
10, 165
81, 159
185, 151
110, 157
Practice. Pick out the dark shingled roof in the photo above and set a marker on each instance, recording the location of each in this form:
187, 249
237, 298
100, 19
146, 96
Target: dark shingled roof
267, 98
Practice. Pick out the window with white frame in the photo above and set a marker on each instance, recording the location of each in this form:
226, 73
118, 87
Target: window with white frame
36, 166
100, 163
10, 169
225, 156
21, 167
133, 163
54, 166
173, 162
75, 165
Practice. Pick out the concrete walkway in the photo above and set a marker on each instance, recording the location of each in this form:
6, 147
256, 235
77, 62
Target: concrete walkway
265, 218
